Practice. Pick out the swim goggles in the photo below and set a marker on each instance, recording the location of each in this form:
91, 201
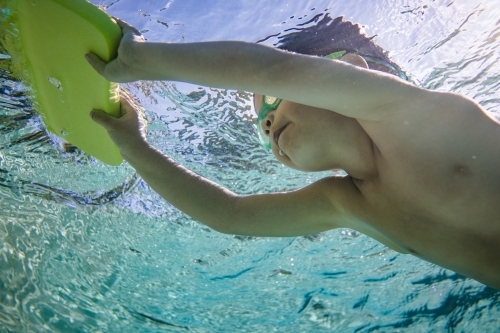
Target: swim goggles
270, 103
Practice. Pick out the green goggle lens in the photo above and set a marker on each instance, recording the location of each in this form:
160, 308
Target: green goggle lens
269, 104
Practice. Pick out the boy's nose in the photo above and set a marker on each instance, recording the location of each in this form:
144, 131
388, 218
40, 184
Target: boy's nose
266, 123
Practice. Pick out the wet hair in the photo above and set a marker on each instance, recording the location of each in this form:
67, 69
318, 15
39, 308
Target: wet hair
328, 35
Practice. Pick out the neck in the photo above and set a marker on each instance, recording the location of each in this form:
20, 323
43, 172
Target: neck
359, 162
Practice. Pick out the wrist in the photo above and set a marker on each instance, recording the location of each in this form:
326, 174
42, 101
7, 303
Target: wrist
141, 63
149, 60
136, 64
134, 150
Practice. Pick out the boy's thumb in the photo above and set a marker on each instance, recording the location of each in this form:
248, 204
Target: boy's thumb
96, 63
102, 118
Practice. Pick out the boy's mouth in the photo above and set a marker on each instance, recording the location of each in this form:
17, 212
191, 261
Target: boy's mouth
277, 134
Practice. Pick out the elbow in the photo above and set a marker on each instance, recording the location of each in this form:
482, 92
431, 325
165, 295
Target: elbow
224, 219
227, 226
236, 218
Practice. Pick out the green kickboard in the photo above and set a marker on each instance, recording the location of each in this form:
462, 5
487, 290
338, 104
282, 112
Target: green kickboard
55, 35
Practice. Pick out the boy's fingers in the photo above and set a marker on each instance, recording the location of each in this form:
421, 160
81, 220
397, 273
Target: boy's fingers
120, 22
96, 63
125, 26
102, 118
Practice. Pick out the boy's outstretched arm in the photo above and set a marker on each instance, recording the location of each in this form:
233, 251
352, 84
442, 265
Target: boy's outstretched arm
319, 82
301, 212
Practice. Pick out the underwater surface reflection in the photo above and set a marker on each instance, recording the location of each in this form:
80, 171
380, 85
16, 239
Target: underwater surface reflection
85, 247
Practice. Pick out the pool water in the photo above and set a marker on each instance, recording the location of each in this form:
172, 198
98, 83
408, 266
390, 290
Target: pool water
85, 247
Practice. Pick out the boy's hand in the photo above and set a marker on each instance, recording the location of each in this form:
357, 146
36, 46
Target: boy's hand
123, 68
129, 131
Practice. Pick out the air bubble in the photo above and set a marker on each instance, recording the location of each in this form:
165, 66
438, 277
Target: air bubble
55, 82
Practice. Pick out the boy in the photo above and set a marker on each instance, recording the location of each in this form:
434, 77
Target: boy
422, 165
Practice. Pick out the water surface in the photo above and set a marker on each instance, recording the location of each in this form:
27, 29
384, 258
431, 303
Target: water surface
86, 247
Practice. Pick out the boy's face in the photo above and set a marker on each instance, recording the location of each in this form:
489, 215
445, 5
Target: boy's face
310, 138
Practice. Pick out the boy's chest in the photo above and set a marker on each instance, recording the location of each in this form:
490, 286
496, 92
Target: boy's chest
435, 174
442, 219
437, 192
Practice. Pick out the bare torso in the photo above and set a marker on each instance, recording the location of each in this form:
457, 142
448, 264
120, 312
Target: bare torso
437, 190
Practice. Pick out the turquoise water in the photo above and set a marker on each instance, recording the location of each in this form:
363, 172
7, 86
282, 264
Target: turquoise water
86, 247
